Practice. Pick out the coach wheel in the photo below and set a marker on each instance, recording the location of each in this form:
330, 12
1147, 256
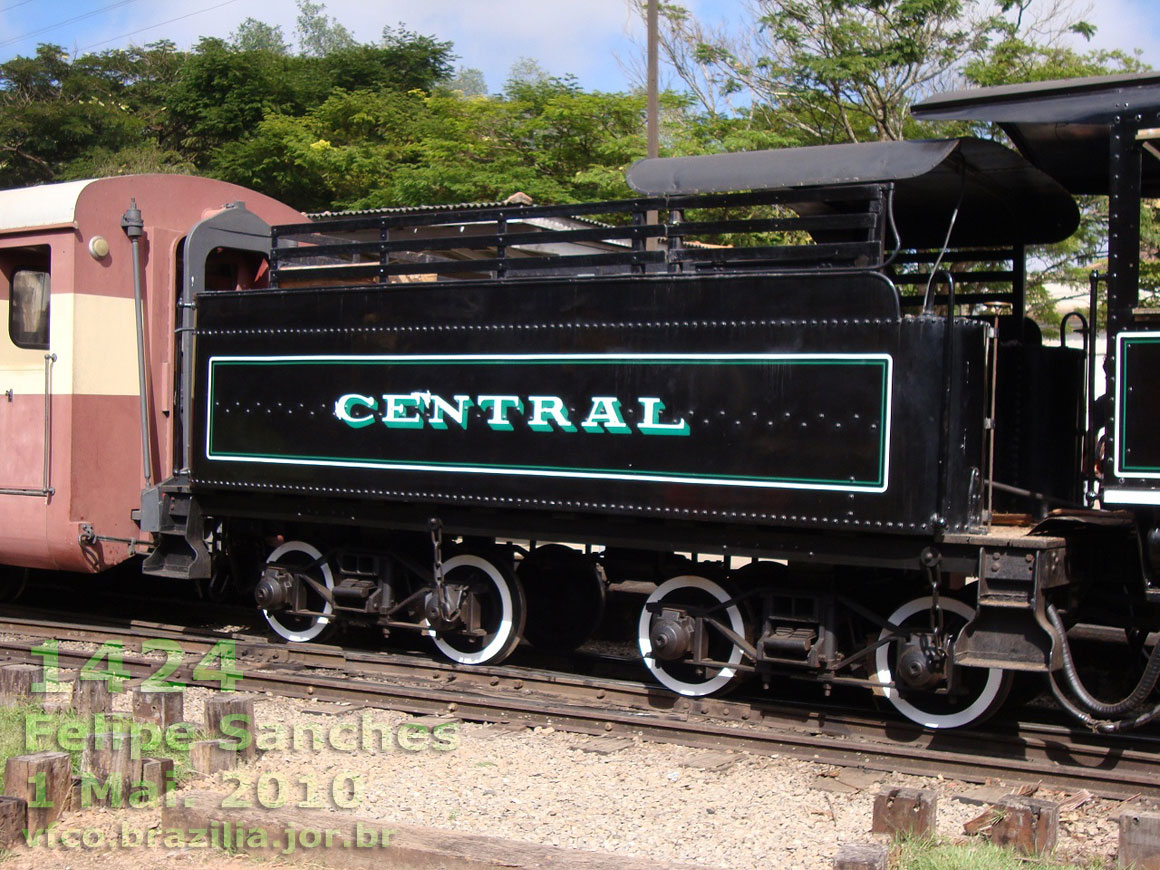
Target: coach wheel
667, 634
12, 582
293, 594
493, 611
565, 597
978, 692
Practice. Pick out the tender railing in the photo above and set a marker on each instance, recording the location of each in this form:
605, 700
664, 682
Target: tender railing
993, 276
846, 225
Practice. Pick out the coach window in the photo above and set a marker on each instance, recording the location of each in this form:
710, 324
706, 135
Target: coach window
26, 271
28, 309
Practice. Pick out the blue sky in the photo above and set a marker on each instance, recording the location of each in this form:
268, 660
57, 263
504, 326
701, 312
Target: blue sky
581, 37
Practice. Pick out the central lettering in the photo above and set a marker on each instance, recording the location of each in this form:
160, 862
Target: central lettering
418, 410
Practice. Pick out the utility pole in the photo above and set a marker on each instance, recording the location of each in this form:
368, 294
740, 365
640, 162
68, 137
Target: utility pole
653, 102
653, 120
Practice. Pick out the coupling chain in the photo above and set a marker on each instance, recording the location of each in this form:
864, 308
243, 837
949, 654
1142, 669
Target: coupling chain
931, 560
435, 525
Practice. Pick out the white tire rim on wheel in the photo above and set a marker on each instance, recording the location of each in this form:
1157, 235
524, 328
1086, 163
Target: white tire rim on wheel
320, 622
507, 615
736, 623
958, 719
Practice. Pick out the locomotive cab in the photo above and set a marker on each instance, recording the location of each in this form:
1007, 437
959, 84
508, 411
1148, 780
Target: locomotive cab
1096, 136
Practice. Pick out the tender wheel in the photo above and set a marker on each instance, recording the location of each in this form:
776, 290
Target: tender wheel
499, 599
297, 629
979, 693
666, 637
565, 597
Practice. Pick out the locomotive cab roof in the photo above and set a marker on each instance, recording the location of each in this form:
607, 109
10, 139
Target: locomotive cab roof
1001, 198
1064, 127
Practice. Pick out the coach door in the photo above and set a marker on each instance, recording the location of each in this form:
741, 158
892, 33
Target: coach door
25, 371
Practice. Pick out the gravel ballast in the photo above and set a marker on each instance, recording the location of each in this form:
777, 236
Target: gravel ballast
613, 794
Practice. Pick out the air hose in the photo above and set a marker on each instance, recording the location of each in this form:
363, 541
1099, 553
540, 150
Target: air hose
1092, 705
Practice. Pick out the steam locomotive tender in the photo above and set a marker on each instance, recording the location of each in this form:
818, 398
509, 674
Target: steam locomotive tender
842, 454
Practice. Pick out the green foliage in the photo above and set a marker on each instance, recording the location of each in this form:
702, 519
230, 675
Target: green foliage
12, 740
221, 94
853, 65
367, 148
421, 60
318, 33
469, 82
254, 35
14, 736
827, 70
822, 71
1150, 253
1012, 56
53, 112
147, 157
916, 854
419, 65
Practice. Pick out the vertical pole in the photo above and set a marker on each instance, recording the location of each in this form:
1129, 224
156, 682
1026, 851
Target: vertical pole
134, 227
1091, 448
653, 100
49, 359
653, 122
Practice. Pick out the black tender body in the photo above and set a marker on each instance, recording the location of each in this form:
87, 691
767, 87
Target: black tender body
805, 400
789, 386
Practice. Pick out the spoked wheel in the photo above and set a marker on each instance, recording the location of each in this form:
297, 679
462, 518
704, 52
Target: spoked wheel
292, 594
493, 632
565, 597
978, 692
12, 582
666, 637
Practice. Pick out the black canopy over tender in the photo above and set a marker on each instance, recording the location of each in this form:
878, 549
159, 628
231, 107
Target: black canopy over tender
1002, 198
1063, 127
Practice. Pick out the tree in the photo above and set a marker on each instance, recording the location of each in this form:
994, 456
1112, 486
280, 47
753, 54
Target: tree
54, 112
373, 148
254, 35
1028, 47
843, 70
318, 33
526, 71
415, 54
469, 82
406, 61
221, 95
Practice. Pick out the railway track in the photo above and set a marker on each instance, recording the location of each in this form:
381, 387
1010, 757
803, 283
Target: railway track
1028, 751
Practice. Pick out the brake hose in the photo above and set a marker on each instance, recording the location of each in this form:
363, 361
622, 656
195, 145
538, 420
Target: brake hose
1144, 687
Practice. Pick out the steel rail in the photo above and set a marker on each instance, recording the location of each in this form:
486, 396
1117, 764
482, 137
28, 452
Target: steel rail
1055, 755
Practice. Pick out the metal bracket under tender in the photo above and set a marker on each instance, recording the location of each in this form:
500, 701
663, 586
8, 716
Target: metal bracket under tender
1010, 629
